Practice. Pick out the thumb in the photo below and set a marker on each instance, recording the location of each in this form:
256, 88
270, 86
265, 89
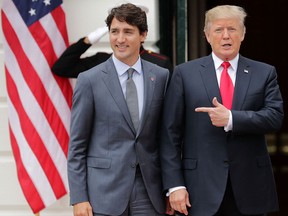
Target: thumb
188, 201
90, 212
215, 102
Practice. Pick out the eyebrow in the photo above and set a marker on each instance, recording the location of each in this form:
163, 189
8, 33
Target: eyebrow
125, 29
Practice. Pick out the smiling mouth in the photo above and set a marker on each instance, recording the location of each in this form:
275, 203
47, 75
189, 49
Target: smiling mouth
121, 46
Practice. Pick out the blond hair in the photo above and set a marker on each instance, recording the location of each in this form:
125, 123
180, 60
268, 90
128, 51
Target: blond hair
225, 12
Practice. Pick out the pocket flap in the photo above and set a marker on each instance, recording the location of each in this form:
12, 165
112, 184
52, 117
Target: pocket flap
189, 163
99, 162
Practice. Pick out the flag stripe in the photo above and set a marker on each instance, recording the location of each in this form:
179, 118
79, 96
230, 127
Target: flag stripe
39, 103
50, 33
39, 35
60, 20
32, 166
51, 29
26, 183
38, 61
35, 113
34, 141
36, 85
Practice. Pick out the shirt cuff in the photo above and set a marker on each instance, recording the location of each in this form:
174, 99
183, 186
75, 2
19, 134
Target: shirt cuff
174, 189
229, 126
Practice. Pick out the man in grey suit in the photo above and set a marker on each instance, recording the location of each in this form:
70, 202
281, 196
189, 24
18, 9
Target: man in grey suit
213, 151
113, 162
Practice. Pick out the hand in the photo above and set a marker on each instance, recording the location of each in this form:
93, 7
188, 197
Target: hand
96, 35
179, 200
219, 114
169, 209
82, 209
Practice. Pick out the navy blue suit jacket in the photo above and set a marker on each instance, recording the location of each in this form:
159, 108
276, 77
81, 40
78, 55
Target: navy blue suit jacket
200, 156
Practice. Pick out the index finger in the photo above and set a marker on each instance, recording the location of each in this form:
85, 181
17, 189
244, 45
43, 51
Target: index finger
203, 109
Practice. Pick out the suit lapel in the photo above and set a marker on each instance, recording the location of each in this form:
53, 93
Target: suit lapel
242, 82
149, 79
209, 79
113, 85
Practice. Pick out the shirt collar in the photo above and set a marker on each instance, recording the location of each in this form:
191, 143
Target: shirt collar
218, 62
121, 67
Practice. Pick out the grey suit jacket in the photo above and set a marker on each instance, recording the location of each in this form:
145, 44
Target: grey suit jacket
104, 147
200, 156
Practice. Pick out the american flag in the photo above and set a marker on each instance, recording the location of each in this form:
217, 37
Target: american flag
39, 103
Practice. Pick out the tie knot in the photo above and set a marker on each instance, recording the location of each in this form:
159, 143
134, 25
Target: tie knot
130, 73
225, 65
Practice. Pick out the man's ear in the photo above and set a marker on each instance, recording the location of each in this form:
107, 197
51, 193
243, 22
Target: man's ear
144, 35
207, 37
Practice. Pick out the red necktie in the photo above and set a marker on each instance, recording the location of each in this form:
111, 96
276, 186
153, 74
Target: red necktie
226, 86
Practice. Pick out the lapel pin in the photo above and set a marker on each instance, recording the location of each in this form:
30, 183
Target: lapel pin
152, 79
245, 71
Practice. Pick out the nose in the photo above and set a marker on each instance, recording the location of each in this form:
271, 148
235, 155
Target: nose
121, 38
226, 33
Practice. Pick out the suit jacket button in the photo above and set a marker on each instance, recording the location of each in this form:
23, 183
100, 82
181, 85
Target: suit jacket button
226, 163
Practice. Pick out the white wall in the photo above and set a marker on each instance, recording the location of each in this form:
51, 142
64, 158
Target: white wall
82, 17
86, 16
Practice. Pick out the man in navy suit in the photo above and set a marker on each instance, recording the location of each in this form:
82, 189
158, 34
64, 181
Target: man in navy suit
113, 161
214, 157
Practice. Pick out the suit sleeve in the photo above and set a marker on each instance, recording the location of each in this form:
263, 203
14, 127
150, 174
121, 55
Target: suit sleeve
69, 64
266, 119
81, 124
172, 133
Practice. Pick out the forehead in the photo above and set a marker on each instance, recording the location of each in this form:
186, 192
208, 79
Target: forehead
121, 24
225, 23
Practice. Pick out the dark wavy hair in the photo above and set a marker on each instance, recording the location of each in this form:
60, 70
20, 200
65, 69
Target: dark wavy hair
129, 13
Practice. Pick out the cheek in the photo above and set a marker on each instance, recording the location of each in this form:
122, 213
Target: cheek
213, 42
111, 38
213, 39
